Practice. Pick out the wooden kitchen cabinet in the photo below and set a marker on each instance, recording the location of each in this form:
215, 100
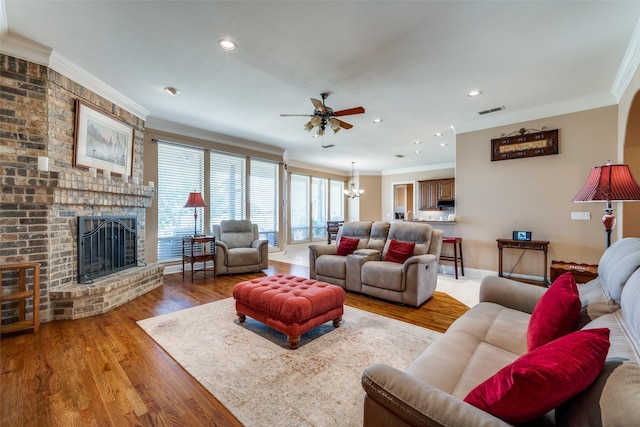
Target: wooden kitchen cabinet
433, 191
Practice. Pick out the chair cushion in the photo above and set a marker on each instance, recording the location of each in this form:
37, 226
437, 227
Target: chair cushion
556, 312
347, 245
331, 266
544, 378
399, 251
383, 275
243, 256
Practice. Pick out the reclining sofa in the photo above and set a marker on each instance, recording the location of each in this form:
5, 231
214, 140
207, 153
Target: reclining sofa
365, 271
493, 334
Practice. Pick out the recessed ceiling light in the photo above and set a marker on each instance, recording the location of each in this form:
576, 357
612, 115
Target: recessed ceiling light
171, 90
417, 151
378, 120
315, 135
438, 134
442, 144
227, 44
474, 93
417, 142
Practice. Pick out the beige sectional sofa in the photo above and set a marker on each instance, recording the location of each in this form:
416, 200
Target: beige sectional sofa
365, 270
493, 334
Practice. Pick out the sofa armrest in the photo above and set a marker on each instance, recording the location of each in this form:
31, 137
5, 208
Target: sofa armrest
419, 259
316, 251
417, 402
262, 245
510, 293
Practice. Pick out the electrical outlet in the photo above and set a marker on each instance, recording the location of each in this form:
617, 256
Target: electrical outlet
581, 216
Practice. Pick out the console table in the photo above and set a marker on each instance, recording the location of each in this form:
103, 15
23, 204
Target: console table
198, 249
536, 245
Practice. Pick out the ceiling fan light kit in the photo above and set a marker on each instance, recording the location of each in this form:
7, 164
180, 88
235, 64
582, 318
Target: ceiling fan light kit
324, 116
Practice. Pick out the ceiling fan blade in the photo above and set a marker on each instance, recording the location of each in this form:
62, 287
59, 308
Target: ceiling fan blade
335, 124
349, 111
317, 104
344, 125
296, 115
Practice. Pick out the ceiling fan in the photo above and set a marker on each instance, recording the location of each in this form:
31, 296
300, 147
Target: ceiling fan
324, 116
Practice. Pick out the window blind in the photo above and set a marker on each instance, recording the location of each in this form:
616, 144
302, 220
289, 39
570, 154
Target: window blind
180, 171
228, 175
265, 198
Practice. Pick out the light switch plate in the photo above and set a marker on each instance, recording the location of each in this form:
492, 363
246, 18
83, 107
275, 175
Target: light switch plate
581, 216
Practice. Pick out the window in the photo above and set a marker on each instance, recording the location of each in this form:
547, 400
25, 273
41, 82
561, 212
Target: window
228, 176
319, 207
299, 207
180, 171
265, 199
336, 200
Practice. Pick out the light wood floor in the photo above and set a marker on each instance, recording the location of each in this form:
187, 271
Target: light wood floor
105, 371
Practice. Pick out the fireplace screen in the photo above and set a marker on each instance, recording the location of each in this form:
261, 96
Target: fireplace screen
106, 245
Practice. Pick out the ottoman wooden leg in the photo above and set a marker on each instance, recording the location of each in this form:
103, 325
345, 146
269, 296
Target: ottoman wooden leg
336, 322
242, 317
293, 341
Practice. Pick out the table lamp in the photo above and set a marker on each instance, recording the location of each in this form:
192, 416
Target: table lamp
195, 201
609, 183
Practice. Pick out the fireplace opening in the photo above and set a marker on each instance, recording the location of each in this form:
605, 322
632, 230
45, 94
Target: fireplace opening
106, 244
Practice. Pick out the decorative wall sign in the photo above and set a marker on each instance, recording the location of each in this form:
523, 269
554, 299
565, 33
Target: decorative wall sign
525, 143
102, 141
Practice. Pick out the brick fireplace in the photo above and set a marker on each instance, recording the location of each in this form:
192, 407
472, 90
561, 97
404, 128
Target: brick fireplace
39, 208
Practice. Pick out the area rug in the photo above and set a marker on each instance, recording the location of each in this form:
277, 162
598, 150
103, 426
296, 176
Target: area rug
249, 368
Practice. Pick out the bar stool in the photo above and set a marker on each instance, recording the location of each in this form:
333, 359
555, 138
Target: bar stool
457, 253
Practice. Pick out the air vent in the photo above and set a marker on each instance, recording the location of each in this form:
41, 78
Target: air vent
400, 156
492, 110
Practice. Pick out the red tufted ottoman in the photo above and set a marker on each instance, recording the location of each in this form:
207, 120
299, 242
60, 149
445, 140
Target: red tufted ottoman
289, 304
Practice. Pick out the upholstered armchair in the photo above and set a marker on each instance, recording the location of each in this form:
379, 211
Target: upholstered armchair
327, 265
238, 248
413, 280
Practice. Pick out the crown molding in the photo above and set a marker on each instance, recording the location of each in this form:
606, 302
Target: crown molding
22, 48
432, 167
197, 133
68, 69
549, 110
628, 66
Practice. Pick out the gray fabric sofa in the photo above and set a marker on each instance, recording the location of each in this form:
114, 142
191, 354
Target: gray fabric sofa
239, 248
364, 271
492, 334
325, 265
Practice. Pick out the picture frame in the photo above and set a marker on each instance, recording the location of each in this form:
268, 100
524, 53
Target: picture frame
525, 143
102, 141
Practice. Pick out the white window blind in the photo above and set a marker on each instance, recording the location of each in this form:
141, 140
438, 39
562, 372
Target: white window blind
180, 171
299, 207
265, 198
319, 206
228, 175
336, 200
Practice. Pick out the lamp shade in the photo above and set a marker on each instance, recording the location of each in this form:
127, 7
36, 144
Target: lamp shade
195, 200
609, 183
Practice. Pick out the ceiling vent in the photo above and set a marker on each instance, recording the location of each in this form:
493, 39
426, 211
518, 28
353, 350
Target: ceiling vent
492, 110
400, 156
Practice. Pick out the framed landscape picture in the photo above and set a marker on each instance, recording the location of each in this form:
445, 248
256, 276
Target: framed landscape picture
102, 141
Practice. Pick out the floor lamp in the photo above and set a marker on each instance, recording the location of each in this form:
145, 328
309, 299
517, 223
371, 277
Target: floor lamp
195, 201
609, 183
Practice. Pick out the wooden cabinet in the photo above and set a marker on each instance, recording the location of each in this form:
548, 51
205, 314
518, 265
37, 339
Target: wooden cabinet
433, 191
583, 273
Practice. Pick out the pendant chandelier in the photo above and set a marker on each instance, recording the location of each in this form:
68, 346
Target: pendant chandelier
353, 191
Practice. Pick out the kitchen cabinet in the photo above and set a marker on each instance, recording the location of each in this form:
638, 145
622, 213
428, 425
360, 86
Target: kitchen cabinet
433, 191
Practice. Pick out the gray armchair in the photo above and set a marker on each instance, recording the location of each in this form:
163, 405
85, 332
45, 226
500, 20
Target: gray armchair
238, 248
414, 281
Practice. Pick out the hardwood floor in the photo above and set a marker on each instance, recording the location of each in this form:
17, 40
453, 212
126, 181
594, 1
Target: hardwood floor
105, 371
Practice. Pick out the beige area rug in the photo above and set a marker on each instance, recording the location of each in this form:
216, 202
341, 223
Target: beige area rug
250, 370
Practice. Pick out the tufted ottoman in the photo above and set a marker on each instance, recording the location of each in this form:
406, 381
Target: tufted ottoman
289, 304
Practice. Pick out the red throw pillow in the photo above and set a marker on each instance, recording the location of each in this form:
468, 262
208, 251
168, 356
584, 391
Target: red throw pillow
556, 312
399, 251
544, 378
347, 245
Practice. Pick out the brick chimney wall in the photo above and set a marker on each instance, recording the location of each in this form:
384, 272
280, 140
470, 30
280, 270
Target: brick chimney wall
38, 209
